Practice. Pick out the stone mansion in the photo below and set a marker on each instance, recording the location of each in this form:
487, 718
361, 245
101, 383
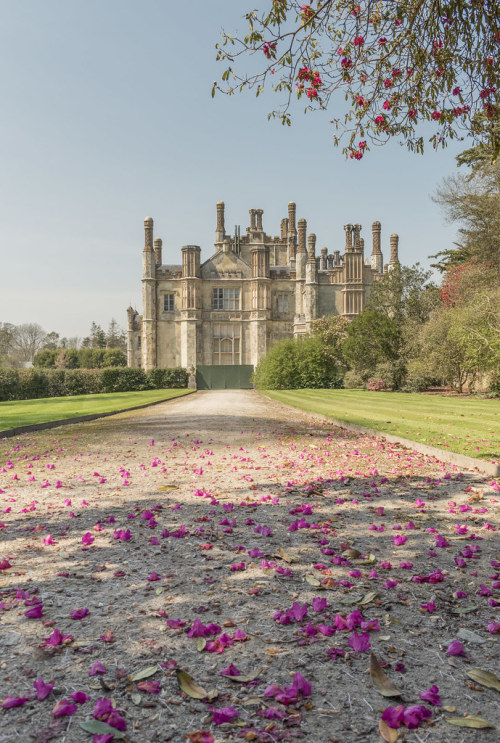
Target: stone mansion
253, 291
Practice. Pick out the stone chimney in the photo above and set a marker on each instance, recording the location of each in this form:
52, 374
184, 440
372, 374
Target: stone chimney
220, 232
259, 213
284, 228
356, 236
324, 258
348, 237
302, 230
377, 259
158, 243
394, 251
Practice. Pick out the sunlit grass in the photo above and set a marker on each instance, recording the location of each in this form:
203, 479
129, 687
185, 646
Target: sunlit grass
467, 426
26, 412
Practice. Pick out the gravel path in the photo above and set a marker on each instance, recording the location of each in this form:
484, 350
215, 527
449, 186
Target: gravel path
226, 536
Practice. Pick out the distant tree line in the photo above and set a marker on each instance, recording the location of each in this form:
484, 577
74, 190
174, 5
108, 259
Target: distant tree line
26, 344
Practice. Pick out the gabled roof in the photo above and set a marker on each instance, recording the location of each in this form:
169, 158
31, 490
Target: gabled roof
223, 265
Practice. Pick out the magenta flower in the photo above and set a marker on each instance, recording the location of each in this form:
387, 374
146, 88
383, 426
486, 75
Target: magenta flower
57, 638
455, 648
298, 612
48, 540
414, 715
494, 628
9, 702
224, 714
230, 670
42, 689
80, 697
87, 539
431, 695
399, 539
64, 708
154, 576
430, 606
4, 564
105, 712
301, 685
98, 669
359, 643
151, 687
35, 612
79, 613
394, 716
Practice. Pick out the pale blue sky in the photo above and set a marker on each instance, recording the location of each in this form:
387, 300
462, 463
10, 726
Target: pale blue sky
107, 117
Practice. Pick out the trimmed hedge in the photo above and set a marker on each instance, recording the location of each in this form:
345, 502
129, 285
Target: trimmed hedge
29, 384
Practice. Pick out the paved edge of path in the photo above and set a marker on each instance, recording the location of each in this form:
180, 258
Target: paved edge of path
9, 432
489, 468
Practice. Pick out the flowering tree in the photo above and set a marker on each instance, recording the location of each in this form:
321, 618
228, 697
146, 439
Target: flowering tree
392, 66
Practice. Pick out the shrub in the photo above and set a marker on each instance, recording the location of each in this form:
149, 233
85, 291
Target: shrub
167, 378
353, 380
415, 383
297, 363
9, 384
24, 384
123, 379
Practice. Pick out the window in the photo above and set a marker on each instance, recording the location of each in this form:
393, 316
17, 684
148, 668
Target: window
226, 344
225, 299
283, 303
168, 302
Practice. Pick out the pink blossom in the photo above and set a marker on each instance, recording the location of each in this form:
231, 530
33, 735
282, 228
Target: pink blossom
35, 612
87, 538
230, 670
9, 702
359, 643
455, 648
431, 695
79, 613
97, 669
48, 540
64, 708
80, 697
494, 628
224, 714
42, 689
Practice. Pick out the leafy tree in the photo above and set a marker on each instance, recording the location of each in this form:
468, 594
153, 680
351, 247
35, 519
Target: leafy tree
116, 337
97, 336
51, 341
331, 331
6, 341
114, 357
67, 358
372, 338
442, 354
403, 68
473, 201
46, 358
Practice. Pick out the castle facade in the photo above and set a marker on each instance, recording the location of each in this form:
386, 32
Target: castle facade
253, 291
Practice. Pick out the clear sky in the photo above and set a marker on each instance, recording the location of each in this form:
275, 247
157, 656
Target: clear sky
107, 117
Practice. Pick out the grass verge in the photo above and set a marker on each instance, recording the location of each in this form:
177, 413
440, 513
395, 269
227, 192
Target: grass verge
467, 426
26, 412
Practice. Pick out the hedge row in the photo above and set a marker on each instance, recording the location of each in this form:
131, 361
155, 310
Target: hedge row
84, 358
27, 384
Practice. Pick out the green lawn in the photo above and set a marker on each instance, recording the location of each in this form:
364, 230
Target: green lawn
25, 412
464, 425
